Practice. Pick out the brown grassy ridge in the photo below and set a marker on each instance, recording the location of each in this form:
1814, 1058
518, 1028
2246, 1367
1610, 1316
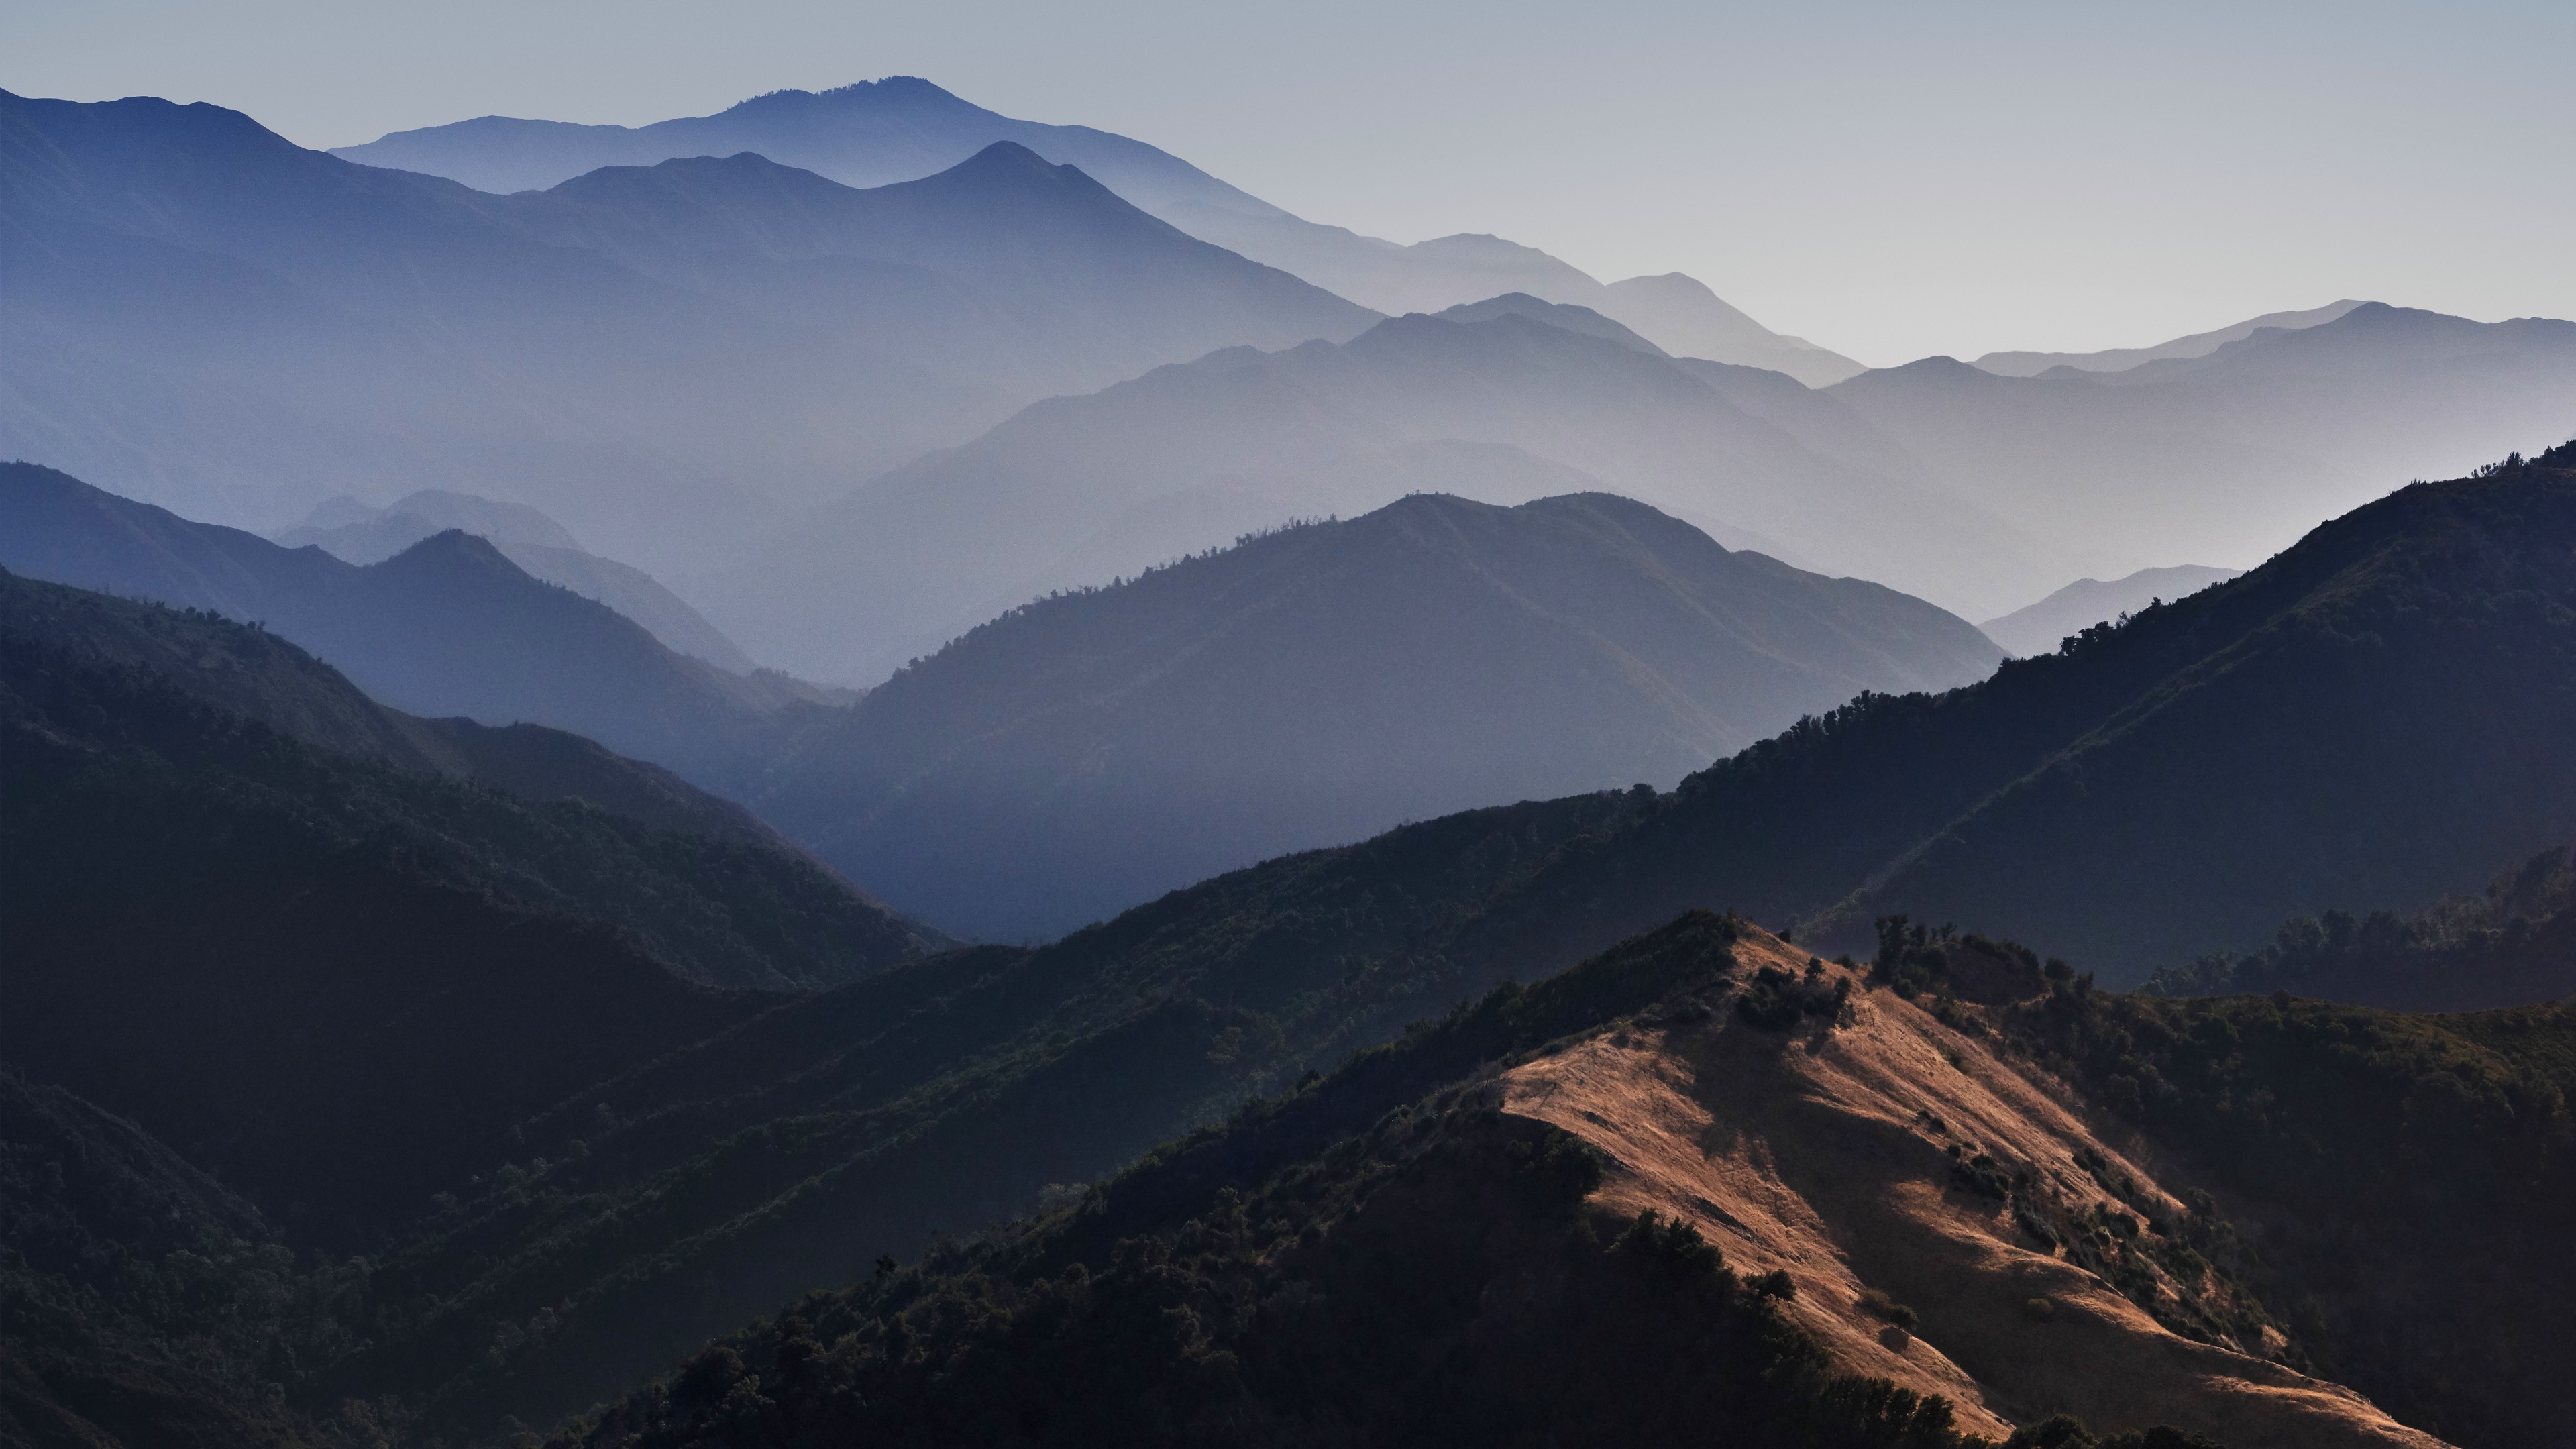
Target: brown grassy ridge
1894, 1167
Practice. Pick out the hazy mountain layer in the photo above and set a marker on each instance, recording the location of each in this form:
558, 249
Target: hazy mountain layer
912, 559
2234, 454
876, 133
207, 316
1322, 683
2198, 344
757, 1157
447, 627
1002, 270
359, 534
2039, 628
240, 677
2372, 716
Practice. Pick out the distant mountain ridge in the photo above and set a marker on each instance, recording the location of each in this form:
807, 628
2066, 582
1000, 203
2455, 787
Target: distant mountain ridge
447, 627
878, 132
1322, 683
2041, 627
207, 316
912, 559
2233, 453
356, 533
2198, 344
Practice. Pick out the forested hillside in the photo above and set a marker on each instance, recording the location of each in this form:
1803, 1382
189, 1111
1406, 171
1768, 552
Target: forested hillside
1322, 683
2513, 943
1408, 1247
2406, 1182
2375, 715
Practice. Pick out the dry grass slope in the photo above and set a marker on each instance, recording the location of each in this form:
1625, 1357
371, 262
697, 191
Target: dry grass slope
1836, 1156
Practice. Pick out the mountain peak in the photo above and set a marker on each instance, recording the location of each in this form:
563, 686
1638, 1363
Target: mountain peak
890, 93
1564, 316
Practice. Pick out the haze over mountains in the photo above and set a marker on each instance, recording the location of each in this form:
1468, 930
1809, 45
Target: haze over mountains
876, 133
1322, 683
2366, 717
205, 315
361, 534
760, 1144
710, 366
2040, 628
915, 557
455, 998
449, 626
1070, 759
2198, 344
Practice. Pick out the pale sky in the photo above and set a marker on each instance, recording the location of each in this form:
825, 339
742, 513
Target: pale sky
1888, 179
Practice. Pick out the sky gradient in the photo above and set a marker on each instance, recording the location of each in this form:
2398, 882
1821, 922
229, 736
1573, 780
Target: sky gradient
1890, 180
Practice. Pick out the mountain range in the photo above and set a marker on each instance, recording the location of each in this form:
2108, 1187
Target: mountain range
2230, 455
708, 366
2039, 628
2117, 799
449, 626
877, 133
1321, 683
207, 316
1066, 760
1244, 438
1526, 935
2197, 344
361, 533
538, 1245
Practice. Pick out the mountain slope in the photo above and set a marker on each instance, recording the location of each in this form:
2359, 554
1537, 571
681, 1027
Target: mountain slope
2510, 945
1306, 1272
1325, 682
878, 132
197, 672
2039, 628
447, 627
912, 559
759, 1156
2371, 716
333, 981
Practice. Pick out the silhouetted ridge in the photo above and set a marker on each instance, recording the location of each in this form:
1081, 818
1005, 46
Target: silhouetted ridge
2367, 717
449, 626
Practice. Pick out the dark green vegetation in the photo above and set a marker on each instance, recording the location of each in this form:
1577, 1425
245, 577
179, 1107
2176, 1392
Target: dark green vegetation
2405, 1185
2379, 714
404, 1014
1378, 1256
564, 1166
2512, 944
1375, 1256
448, 626
1322, 683
334, 980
